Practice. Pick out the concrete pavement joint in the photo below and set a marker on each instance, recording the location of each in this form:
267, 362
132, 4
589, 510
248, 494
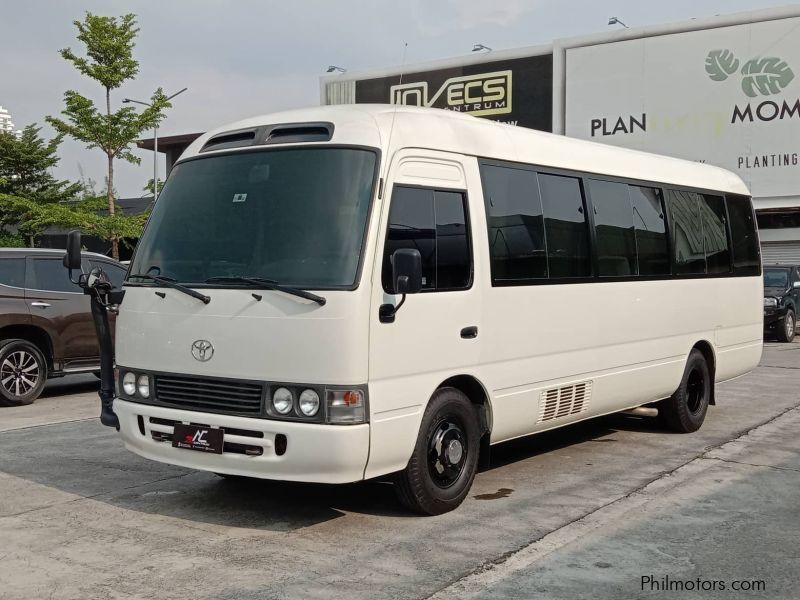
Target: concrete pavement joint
21, 427
746, 464
493, 571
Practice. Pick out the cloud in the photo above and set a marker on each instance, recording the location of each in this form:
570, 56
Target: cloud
434, 19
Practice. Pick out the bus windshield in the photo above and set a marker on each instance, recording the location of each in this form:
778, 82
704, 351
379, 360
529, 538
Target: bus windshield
776, 278
295, 216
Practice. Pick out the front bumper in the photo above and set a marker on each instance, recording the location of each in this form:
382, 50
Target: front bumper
773, 316
314, 453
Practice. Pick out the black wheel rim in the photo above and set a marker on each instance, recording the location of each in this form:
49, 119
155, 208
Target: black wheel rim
695, 390
19, 373
447, 451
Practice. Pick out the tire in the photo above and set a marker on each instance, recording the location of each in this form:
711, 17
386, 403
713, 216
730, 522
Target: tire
685, 410
786, 327
23, 372
445, 458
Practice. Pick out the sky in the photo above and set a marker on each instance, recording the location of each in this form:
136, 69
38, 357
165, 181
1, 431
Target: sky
241, 58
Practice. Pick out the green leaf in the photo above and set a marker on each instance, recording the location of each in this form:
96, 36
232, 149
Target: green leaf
720, 64
765, 76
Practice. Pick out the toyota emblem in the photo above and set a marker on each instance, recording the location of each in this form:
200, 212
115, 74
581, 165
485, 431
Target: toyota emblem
202, 350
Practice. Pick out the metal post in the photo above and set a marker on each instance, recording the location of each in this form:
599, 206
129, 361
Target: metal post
155, 162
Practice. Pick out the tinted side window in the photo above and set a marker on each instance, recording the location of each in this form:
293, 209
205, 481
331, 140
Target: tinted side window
744, 241
715, 234
613, 223
433, 222
114, 272
651, 236
12, 272
516, 226
565, 226
50, 274
687, 232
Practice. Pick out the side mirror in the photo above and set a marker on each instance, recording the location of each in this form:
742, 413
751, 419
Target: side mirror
406, 271
796, 285
72, 259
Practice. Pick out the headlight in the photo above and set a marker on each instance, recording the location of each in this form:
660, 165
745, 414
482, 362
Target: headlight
309, 402
129, 384
143, 385
346, 406
282, 401
770, 303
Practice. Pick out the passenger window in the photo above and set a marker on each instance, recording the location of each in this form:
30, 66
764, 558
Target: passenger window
114, 272
745, 249
433, 222
613, 224
49, 274
687, 232
12, 272
651, 234
565, 226
516, 224
715, 234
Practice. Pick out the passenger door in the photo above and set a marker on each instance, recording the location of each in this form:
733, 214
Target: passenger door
60, 307
436, 332
13, 309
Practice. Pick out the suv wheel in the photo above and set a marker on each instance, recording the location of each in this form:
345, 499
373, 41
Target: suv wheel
787, 327
23, 372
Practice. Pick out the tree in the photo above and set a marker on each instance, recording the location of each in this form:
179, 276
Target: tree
149, 187
25, 164
109, 43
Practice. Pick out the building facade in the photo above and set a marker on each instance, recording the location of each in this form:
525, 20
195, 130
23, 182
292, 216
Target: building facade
6, 124
723, 90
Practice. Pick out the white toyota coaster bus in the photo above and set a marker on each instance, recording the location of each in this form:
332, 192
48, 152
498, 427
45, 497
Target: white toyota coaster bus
341, 293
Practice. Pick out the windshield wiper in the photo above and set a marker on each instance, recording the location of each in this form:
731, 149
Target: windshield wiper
169, 282
267, 284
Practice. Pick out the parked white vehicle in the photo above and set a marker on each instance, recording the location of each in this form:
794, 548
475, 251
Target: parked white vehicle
265, 333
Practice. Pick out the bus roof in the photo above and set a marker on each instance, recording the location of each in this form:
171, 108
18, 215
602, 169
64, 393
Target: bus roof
377, 125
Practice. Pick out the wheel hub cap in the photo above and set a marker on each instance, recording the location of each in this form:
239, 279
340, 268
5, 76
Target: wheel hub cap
454, 452
446, 452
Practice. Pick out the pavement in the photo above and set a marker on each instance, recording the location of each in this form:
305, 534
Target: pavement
610, 508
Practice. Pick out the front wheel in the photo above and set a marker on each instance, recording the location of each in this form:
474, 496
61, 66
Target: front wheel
445, 458
686, 410
787, 327
23, 372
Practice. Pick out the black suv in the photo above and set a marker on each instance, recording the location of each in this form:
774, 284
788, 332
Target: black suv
781, 301
46, 327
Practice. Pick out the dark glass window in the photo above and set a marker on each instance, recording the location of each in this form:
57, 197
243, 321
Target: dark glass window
116, 273
50, 274
516, 225
687, 232
12, 272
744, 240
613, 225
715, 234
433, 222
565, 226
651, 235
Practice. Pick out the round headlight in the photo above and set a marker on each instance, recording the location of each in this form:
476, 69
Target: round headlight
143, 385
282, 401
309, 403
129, 383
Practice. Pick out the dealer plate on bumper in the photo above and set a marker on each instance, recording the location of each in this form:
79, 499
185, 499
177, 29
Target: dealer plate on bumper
196, 437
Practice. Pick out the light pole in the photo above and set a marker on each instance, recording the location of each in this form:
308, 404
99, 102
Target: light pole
155, 140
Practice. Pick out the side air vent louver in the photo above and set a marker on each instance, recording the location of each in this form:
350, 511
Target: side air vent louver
564, 401
318, 132
234, 139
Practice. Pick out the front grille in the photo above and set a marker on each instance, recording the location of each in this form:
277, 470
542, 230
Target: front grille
210, 395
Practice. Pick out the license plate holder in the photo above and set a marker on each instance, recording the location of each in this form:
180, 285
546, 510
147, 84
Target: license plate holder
200, 438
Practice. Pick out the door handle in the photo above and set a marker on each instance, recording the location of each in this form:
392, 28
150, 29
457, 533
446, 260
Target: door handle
40, 304
469, 333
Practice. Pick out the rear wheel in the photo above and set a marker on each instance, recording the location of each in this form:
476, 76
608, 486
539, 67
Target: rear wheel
786, 329
23, 372
445, 458
686, 410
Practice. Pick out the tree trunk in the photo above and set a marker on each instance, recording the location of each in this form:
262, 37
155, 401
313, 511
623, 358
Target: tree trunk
110, 186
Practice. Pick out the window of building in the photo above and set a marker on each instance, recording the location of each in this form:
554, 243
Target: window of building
516, 225
687, 232
744, 240
565, 226
613, 226
433, 222
715, 234
12, 272
651, 234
